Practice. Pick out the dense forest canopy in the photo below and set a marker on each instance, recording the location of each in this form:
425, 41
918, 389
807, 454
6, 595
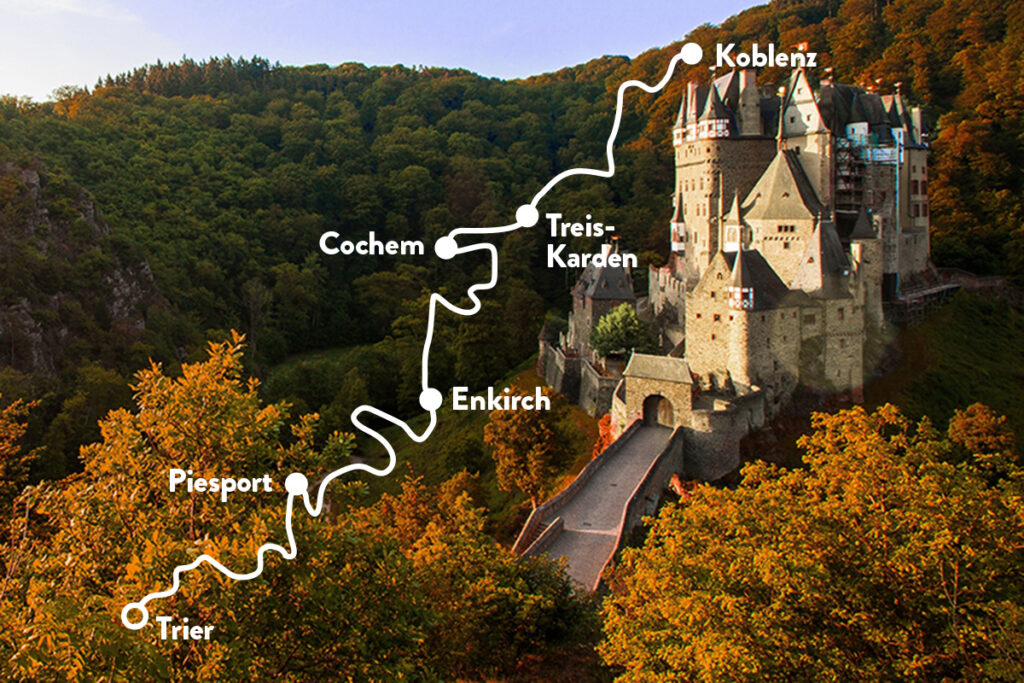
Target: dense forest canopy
207, 185
172, 204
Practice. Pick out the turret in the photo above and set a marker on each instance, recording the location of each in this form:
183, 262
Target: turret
732, 227
866, 255
715, 121
741, 286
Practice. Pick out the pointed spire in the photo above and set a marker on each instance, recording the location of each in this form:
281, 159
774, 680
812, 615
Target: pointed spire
734, 211
721, 194
738, 279
677, 215
681, 117
782, 115
862, 229
714, 108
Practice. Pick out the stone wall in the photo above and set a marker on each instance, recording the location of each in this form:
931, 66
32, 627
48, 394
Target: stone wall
560, 372
645, 498
713, 437
595, 390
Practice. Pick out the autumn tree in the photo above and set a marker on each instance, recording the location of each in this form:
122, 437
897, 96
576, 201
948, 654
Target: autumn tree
525, 445
14, 461
882, 559
408, 588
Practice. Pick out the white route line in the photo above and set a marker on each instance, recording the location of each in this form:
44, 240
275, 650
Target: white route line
446, 248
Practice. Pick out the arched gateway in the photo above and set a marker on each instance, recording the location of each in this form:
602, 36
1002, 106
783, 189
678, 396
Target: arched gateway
658, 389
658, 411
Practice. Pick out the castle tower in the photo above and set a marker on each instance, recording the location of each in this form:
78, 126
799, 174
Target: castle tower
866, 255
803, 130
598, 291
720, 151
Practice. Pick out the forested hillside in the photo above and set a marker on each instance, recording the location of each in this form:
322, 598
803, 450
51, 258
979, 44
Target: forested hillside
220, 176
168, 206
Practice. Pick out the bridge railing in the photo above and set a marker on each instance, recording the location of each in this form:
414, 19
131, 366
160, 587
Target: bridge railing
545, 539
552, 507
657, 477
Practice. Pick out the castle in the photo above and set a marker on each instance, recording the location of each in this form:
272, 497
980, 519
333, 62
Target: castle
799, 219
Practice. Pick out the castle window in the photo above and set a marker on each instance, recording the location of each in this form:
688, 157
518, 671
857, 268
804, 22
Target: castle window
713, 337
698, 316
842, 314
712, 295
842, 343
913, 187
924, 187
775, 365
730, 318
785, 245
718, 318
809, 319
917, 210
792, 119
762, 318
719, 276
924, 210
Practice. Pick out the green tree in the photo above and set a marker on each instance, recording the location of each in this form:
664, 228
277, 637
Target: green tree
882, 559
621, 328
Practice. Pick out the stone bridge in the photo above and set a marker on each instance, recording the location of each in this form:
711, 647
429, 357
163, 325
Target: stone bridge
589, 521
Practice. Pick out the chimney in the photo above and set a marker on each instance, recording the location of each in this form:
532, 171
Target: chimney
915, 120
691, 101
749, 104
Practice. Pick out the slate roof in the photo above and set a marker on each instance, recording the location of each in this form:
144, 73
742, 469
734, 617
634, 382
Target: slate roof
750, 269
862, 228
666, 368
824, 264
714, 108
728, 87
782, 192
607, 283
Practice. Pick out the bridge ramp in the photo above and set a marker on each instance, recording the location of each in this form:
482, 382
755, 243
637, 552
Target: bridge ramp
592, 516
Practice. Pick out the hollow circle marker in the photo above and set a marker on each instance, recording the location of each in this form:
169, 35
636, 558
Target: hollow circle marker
126, 617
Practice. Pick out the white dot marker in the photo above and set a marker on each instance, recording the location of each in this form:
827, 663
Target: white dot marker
296, 483
126, 618
527, 215
692, 53
446, 247
431, 400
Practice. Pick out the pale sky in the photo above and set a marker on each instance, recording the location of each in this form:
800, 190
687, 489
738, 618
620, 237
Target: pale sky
48, 43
